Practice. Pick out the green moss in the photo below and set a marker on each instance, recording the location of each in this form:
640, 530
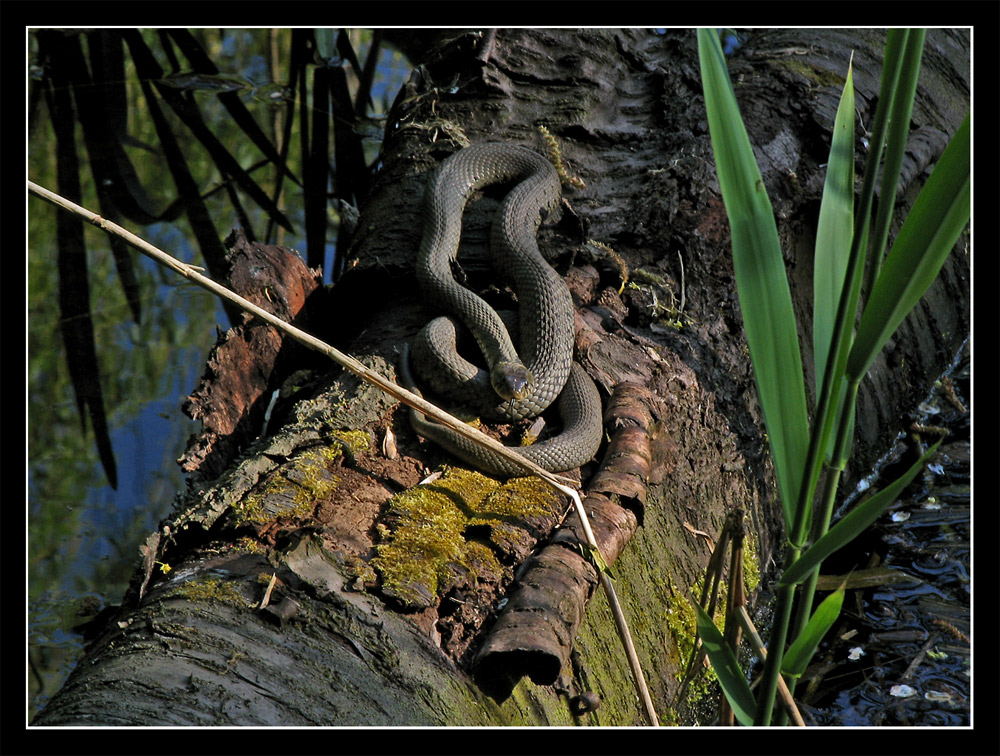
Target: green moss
520, 498
428, 540
250, 545
250, 509
359, 568
428, 545
467, 488
703, 683
681, 623
666, 314
751, 564
506, 510
537, 707
212, 589
354, 442
648, 276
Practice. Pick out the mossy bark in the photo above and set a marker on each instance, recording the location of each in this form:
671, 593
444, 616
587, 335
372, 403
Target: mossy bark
308, 507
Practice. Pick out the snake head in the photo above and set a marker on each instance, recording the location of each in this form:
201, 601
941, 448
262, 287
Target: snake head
511, 380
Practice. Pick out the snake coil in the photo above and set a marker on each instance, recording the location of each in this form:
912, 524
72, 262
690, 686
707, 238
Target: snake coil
524, 381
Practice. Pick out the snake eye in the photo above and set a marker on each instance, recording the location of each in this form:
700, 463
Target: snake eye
517, 386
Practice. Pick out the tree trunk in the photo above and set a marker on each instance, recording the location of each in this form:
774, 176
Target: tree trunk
354, 633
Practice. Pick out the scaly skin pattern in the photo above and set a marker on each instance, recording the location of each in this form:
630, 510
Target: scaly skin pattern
520, 383
546, 342
579, 407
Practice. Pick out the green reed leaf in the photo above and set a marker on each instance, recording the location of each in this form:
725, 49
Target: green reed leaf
907, 48
834, 231
853, 524
928, 235
731, 678
799, 654
761, 281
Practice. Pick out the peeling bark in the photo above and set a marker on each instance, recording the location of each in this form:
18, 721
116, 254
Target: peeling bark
232, 398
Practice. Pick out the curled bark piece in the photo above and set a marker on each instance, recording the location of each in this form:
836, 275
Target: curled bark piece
626, 467
533, 635
629, 406
628, 459
613, 526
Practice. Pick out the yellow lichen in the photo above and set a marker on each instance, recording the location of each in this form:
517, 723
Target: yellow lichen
354, 442
428, 538
428, 543
294, 491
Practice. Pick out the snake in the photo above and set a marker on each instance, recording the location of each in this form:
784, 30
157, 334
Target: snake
521, 381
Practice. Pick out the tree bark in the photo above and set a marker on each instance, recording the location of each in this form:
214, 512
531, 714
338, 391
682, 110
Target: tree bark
317, 504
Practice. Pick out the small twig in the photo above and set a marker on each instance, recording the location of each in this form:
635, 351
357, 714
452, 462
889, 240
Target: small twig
306, 339
267, 593
731, 538
735, 598
709, 597
370, 376
758, 644
626, 637
680, 259
919, 658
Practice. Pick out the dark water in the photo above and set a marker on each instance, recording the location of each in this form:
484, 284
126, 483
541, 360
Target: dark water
902, 656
